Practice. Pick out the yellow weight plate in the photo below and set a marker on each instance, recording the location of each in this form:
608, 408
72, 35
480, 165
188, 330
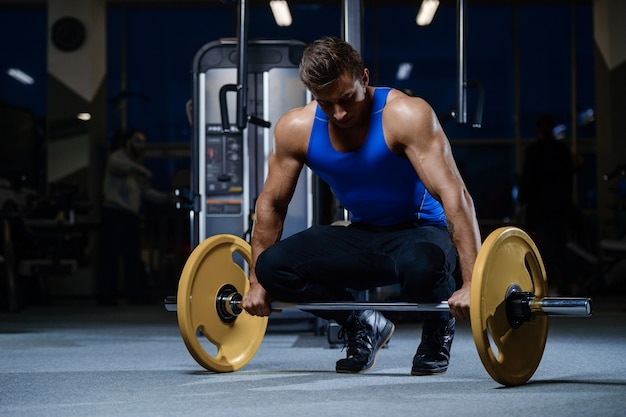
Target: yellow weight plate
508, 257
210, 267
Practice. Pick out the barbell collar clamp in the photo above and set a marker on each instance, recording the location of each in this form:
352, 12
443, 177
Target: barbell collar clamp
228, 303
517, 306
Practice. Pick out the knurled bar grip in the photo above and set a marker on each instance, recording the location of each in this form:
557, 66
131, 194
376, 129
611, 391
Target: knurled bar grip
551, 306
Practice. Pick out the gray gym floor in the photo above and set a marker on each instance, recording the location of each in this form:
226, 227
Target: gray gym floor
78, 360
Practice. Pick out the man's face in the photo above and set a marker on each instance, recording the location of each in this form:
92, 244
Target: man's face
341, 100
137, 145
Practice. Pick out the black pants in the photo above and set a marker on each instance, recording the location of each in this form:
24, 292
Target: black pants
323, 262
120, 241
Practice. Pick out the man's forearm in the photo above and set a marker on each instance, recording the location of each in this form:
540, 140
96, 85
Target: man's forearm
267, 230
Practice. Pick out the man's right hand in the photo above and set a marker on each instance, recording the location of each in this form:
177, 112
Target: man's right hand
257, 301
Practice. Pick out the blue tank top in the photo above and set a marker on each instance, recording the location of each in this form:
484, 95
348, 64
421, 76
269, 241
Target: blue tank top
377, 186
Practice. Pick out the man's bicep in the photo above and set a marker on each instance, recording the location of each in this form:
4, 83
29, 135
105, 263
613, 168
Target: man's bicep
435, 165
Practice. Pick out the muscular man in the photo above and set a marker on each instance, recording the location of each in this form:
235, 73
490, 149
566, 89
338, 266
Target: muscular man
388, 161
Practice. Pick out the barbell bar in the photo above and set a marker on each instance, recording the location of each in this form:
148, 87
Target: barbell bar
551, 306
521, 306
509, 308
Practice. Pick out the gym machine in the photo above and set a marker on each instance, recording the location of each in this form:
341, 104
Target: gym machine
230, 155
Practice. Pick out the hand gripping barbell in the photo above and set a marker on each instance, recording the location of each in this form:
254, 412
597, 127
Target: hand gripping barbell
509, 309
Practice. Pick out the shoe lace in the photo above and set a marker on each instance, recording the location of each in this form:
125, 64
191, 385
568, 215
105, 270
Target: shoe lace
434, 341
355, 337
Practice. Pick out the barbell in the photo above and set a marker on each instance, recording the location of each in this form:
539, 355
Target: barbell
509, 309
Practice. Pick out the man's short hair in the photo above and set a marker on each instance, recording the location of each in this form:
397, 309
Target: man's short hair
326, 60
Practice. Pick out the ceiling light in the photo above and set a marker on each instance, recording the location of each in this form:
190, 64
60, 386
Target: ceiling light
404, 71
427, 11
20, 76
84, 116
281, 12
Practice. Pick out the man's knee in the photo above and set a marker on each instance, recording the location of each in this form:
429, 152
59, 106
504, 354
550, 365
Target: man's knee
264, 266
424, 271
272, 266
421, 259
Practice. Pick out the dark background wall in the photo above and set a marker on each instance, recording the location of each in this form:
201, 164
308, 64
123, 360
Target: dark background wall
531, 57
522, 54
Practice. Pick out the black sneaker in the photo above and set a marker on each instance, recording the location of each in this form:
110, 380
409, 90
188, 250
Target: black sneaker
433, 354
365, 335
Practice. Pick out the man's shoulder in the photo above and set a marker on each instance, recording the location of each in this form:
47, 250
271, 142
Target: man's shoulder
404, 113
297, 120
119, 155
292, 131
398, 100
